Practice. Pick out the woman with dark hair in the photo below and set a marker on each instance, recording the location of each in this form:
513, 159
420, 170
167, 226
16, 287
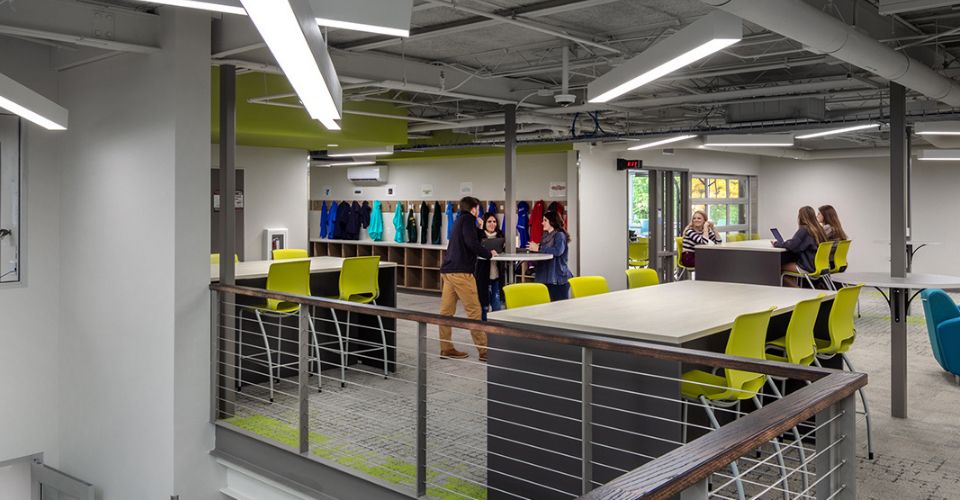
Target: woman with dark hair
802, 247
489, 273
828, 218
554, 272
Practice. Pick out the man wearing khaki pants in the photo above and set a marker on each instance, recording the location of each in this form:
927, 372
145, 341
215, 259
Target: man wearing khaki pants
456, 273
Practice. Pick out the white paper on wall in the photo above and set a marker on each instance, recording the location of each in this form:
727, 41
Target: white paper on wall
558, 189
426, 190
466, 188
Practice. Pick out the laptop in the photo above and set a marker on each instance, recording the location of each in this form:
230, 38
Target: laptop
776, 235
496, 244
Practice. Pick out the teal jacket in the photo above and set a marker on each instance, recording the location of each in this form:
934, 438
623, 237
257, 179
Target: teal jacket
399, 223
375, 230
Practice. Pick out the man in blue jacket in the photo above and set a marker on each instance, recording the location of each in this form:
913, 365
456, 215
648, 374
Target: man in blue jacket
456, 274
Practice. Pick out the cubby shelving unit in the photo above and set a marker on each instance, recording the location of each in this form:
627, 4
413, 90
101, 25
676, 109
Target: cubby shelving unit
418, 266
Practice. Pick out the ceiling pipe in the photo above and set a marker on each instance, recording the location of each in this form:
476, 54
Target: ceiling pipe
826, 34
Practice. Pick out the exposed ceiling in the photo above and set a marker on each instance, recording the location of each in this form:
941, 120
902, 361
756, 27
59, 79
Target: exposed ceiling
464, 60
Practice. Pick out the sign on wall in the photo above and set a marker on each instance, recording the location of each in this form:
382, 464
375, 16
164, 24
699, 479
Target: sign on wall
390, 190
466, 188
558, 189
426, 190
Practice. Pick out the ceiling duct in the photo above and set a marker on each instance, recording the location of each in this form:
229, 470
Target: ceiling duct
824, 33
809, 108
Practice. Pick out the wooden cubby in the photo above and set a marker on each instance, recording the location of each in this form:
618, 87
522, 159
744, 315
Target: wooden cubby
418, 266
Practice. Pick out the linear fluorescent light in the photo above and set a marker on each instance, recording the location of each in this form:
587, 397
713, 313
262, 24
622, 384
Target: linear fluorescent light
382, 30
838, 131
937, 128
351, 163
661, 142
305, 64
748, 140
197, 4
349, 153
20, 100
710, 34
939, 155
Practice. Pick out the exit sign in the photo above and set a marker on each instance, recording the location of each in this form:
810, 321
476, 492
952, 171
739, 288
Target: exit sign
628, 164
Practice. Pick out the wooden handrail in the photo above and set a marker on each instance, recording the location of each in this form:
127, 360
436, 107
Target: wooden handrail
556, 335
683, 467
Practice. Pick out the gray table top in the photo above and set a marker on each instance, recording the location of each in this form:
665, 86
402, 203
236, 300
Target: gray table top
746, 245
523, 257
259, 268
885, 280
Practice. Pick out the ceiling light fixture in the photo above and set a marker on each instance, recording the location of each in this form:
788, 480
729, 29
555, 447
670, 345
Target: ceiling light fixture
748, 140
301, 53
349, 153
384, 17
711, 33
839, 131
661, 142
211, 5
30, 105
937, 128
351, 163
369, 28
939, 155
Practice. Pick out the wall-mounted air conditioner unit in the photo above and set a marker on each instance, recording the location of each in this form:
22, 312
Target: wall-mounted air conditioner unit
368, 176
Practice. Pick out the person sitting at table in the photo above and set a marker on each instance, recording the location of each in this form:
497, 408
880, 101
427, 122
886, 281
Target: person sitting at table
490, 274
830, 221
700, 231
802, 247
554, 272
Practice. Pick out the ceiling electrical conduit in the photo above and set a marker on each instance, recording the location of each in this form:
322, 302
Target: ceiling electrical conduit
824, 33
522, 118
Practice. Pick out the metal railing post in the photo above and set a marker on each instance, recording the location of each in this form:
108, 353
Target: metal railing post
421, 409
837, 458
303, 379
586, 419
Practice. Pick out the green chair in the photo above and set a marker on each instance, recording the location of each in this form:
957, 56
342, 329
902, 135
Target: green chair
638, 278
525, 294
215, 258
290, 253
285, 277
822, 263
731, 237
359, 283
585, 286
678, 261
839, 259
843, 332
747, 339
638, 253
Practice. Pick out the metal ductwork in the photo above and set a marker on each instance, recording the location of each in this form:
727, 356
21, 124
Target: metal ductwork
821, 32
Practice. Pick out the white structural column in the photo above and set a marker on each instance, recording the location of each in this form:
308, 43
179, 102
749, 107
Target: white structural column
898, 248
510, 175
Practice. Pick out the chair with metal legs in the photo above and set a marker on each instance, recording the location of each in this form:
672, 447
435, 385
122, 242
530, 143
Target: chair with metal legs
678, 261
286, 277
359, 283
747, 339
290, 253
821, 261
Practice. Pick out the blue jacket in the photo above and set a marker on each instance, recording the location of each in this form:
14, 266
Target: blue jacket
450, 219
523, 223
323, 220
332, 220
555, 270
375, 230
399, 223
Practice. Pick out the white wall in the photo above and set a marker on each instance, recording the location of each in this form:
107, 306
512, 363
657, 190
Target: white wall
535, 173
604, 198
134, 233
30, 311
15, 481
860, 191
276, 194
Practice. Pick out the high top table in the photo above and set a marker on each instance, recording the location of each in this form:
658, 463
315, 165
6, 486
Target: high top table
756, 262
899, 301
514, 258
635, 407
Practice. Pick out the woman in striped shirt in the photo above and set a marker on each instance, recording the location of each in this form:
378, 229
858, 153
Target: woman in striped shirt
700, 231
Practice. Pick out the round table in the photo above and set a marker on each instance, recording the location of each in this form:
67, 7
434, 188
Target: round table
519, 257
899, 302
913, 246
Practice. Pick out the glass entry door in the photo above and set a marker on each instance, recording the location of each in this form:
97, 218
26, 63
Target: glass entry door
658, 199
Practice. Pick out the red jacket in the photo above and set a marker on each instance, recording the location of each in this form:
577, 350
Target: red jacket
536, 222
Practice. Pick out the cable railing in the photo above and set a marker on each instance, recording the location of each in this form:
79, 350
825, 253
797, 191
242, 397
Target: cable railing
552, 414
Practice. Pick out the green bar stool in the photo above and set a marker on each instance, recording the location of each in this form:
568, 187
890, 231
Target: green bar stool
215, 258
359, 282
525, 294
585, 286
843, 332
638, 253
678, 261
747, 339
822, 263
290, 253
638, 278
285, 277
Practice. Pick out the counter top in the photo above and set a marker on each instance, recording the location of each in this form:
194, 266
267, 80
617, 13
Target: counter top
259, 268
747, 245
672, 313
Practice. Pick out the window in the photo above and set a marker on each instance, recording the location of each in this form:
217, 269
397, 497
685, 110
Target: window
10, 185
727, 202
639, 203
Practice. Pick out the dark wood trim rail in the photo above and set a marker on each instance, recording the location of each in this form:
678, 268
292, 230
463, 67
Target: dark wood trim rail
557, 335
683, 467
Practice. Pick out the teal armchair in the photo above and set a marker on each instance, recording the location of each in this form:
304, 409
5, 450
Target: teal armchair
943, 326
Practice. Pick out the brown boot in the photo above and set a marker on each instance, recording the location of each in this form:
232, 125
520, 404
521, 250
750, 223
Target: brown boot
453, 354
483, 355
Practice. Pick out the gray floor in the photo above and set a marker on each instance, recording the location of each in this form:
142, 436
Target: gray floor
373, 418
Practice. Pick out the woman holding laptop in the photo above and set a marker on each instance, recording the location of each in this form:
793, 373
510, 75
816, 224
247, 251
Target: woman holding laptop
802, 247
489, 273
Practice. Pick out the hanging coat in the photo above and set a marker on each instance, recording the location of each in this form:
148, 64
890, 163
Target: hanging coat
398, 224
436, 223
450, 219
411, 227
558, 208
354, 221
343, 218
375, 230
523, 223
332, 220
323, 220
365, 214
491, 209
536, 222
424, 222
